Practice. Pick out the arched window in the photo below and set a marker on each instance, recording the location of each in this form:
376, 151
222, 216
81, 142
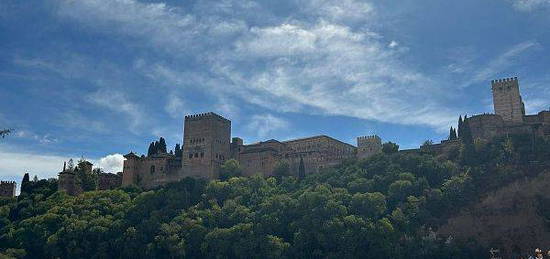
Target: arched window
152, 169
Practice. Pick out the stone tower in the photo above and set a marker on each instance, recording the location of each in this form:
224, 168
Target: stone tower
368, 146
206, 139
507, 100
7, 188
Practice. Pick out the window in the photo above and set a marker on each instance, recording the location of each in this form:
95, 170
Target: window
202, 154
152, 169
196, 154
190, 155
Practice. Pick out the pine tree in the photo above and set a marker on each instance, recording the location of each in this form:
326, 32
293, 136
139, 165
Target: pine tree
25, 183
161, 146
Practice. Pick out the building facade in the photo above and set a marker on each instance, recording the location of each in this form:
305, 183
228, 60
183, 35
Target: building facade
207, 144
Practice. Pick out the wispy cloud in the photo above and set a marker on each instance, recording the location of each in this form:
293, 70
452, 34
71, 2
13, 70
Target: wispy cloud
504, 61
264, 125
530, 5
175, 107
312, 62
118, 102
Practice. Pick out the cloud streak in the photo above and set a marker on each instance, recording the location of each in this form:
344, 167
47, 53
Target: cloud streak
314, 61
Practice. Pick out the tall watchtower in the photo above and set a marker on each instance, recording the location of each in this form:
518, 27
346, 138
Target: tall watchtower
206, 139
368, 146
507, 100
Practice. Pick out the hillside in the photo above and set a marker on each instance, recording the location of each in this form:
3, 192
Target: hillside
382, 207
514, 218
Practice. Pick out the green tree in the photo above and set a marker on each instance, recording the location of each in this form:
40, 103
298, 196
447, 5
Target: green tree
452, 134
301, 169
230, 168
161, 145
282, 168
390, 148
151, 151
25, 183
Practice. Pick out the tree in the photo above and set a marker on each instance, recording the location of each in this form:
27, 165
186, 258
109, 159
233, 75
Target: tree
178, 151
452, 134
151, 149
281, 169
390, 148
25, 183
302, 169
161, 146
230, 168
87, 177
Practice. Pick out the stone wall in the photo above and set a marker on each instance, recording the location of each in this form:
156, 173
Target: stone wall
152, 171
68, 182
108, 181
7, 188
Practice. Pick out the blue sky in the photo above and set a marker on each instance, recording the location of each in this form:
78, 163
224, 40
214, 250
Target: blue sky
98, 78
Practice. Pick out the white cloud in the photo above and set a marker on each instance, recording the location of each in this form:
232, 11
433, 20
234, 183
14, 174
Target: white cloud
118, 102
503, 61
265, 124
530, 5
175, 107
311, 61
14, 163
393, 44
111, 163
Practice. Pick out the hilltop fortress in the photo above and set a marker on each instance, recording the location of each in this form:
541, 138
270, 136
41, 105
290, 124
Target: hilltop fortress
207, 144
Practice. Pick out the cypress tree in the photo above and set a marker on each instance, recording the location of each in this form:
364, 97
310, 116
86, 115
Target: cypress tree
161, 146
177, 150
302, 169
151, 149
452, 134
25, 183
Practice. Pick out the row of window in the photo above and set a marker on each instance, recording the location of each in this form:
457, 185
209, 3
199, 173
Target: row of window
196, 155
196, 140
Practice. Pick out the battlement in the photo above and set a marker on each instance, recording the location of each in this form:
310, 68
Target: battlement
206, 115
7, 182
367, 140
371, 137
500, 83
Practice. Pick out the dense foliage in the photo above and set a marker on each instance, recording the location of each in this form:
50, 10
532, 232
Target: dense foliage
382, 207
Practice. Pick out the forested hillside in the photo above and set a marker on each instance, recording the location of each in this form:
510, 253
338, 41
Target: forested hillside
388, 206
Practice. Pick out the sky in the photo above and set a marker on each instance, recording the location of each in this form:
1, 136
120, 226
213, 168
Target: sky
96, 79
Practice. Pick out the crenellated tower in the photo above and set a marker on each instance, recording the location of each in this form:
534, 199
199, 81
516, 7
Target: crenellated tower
7, 188
368, 146
206, 139
507, 100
